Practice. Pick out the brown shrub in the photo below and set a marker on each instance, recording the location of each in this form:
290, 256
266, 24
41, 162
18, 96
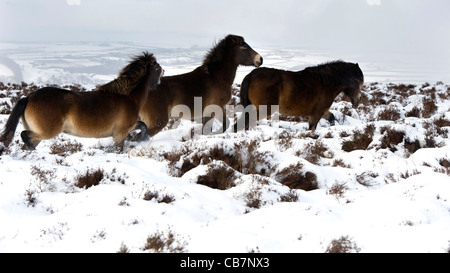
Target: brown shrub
445, 163
415, 112
339, 162
89, 179
344, 134
342, 245
242, 157
5, 108
408, 174
43, 178
389, 113
253, 198
338, 190
314, 151
218, 177
412, 146
429, 107
365, 100
378, 98
295, 178
391, 138
430, 142
65, 148
31, 198
164, 242
165, 198
75, 88
123, 249
434, 128
291, 196
284, 140
360, 140
401, 89
441, 122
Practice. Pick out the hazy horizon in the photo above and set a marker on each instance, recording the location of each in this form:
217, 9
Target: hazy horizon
413, 34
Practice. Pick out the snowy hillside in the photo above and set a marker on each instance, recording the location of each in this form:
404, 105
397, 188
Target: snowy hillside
377, 181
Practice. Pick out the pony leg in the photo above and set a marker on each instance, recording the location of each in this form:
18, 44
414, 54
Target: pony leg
248, 118
156, 123
118, 144
118, 147
225, 123
156, 129
207, 123
313, 121
143, 135
330, 117
30, 140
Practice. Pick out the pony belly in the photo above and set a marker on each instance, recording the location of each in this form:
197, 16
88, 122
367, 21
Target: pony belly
88, 134
292, 111
81, 129
294, 108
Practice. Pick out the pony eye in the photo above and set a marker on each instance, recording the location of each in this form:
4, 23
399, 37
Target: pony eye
244, 46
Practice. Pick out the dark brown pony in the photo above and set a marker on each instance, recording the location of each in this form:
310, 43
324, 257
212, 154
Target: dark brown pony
309, 92
111, 110
211, 82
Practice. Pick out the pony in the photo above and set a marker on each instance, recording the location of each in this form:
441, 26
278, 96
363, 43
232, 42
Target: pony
211, 82
110, 110
309, 92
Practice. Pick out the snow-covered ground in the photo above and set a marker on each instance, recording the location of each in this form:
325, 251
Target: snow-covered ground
378, 181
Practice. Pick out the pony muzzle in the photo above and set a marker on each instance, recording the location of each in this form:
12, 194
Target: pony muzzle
161, 74
355, 101
258, 60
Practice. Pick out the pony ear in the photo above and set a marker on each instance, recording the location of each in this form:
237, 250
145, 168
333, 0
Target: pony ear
357, 65
236, 39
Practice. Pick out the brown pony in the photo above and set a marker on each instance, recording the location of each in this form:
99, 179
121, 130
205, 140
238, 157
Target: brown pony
309, 92
111, 110
211, 82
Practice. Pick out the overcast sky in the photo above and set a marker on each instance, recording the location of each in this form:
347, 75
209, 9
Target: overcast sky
416, 25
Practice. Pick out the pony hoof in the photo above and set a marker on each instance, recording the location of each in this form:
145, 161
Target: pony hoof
28, 148
142, 137
138, 137
118, 149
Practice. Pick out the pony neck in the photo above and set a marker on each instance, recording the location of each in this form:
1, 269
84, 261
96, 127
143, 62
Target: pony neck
221, 63
224, 70
139, 94
333, 75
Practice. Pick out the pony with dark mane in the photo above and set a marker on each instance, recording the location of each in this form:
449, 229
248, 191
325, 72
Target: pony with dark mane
309, 92
110, 110
211, 82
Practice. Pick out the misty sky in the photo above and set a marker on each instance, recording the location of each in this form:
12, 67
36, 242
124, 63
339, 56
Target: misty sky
412, 25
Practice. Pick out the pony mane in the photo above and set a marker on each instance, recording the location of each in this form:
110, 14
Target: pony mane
220, 50
130, 76
336, 73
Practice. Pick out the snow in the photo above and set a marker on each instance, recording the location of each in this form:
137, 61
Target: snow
393, 200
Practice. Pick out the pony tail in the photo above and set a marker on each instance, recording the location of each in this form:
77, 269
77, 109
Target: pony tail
11, 125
